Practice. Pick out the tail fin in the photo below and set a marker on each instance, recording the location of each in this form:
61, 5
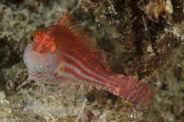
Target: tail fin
130, 89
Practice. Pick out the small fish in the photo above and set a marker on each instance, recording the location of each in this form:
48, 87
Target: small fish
66, 53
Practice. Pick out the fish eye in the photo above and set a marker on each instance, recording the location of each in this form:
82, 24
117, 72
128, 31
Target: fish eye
31, 37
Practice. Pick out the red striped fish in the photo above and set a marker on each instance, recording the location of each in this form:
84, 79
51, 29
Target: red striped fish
65, 53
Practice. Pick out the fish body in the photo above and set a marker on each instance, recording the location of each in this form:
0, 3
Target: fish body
65, 53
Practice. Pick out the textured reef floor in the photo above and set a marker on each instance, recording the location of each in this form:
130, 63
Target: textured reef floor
143, 39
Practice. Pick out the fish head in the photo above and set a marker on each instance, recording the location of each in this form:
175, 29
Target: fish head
43, 42
38, 63
40, 55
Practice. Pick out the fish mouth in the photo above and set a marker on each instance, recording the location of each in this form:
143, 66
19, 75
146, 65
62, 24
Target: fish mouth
26, 55
30, 57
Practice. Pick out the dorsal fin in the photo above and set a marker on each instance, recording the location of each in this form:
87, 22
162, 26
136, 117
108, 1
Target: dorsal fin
84, 44
77, 30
